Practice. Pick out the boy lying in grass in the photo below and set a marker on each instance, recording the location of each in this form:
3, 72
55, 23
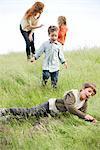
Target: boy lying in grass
74, 101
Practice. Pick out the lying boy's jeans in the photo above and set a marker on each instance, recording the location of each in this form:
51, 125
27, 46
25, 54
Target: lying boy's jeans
38, 111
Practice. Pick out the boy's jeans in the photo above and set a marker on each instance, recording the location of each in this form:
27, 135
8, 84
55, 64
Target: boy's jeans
54, 77
40, 110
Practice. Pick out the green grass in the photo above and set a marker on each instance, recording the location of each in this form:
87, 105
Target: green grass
20, 86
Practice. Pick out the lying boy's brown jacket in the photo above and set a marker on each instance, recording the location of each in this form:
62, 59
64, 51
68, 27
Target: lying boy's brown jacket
67, 104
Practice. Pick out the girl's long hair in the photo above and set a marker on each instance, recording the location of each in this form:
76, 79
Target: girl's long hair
62, 20
36, 8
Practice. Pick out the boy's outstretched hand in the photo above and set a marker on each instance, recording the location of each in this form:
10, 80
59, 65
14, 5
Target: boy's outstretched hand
32, 60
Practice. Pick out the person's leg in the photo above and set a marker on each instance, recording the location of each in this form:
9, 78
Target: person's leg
45, 77
41, 110
54, 78
23, 112
32, 45
27, 41
38, 111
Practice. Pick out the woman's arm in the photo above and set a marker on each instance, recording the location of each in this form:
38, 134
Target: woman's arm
35, 27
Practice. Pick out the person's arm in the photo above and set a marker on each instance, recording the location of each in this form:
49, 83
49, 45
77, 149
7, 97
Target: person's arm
69, 101
84, 107
87, 117
35, 27
32, 30
61, 57
31, 20
38, 53
65, 65
32, 27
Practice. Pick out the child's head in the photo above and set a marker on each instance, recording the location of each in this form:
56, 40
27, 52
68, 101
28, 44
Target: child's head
61, 20
53, 33
89, 89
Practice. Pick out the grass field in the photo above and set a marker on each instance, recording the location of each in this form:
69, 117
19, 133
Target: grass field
20, 86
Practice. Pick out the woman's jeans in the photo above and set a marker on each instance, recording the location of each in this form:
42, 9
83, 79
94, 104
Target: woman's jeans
30, 48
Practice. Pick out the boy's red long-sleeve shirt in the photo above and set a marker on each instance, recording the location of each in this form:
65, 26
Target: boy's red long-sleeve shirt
62, 34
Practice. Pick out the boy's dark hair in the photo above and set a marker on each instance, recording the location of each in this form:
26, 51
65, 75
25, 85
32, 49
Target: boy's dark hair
52, 29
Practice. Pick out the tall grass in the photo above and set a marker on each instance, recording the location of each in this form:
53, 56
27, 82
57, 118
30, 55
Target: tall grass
20, 86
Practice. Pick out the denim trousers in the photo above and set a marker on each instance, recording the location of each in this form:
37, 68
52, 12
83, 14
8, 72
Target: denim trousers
54, 77
38, 111
41, 110
30, 48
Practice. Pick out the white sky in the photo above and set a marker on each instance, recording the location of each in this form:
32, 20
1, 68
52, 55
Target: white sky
83, 17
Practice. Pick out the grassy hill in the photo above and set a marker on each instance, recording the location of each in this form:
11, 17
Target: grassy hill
20, 86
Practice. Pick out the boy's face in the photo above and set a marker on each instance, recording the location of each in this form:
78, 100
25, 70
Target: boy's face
86, 93
53, 36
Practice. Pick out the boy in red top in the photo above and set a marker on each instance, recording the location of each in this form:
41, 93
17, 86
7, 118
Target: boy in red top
62, 29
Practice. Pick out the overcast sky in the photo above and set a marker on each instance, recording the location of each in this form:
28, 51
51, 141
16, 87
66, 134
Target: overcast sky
83, 18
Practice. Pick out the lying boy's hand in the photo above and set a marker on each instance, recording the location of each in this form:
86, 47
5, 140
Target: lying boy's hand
89, 118
94, 121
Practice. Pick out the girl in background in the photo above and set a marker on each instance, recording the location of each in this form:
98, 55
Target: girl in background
29, 24
62, 29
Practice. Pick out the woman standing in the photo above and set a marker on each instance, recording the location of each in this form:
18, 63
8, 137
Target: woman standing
28, 24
